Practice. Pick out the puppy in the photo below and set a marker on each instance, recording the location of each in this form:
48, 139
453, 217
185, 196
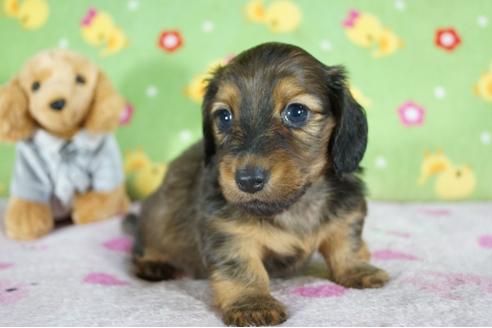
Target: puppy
272, 182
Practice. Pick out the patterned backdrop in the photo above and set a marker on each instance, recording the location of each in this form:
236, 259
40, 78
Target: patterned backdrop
422, 69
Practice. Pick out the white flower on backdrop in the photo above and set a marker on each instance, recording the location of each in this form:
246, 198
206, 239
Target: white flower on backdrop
485, 137
151, 91
133, 5
439, 92
400, 5
482, 21
325, 45
63, 43
380, 162
208, 26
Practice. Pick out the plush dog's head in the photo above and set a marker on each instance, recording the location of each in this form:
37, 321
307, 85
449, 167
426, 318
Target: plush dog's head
61, 92
276, 120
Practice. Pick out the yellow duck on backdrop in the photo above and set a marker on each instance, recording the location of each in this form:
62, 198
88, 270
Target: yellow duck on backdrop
367, 31
99, 30
281, 16
196, 88
143, 176
32, 14
453, 182
483, 88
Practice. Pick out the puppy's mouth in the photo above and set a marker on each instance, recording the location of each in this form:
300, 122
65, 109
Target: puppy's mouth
270, 208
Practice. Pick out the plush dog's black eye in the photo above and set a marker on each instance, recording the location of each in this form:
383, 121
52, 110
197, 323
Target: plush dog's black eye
35, 86
80, 79
295, 115
224, 118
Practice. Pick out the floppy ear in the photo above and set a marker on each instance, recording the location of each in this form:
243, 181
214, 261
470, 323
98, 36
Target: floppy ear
349, 139
207, 128
16, 123
106, 107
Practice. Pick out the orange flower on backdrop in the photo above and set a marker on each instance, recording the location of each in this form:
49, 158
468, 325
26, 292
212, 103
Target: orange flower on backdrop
447, 39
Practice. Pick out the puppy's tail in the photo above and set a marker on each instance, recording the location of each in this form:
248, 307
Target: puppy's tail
130, 224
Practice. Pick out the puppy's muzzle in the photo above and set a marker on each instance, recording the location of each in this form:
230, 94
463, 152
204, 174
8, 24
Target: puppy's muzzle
251, 179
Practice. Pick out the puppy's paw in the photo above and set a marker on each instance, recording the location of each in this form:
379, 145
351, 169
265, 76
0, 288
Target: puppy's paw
363, 275
256, 310
156, 270
25, 220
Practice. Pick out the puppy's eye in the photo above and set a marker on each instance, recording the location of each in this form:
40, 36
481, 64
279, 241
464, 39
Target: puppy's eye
35, 86
295, 115
80, 79
224, 119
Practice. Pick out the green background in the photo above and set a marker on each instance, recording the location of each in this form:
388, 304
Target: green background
165, 124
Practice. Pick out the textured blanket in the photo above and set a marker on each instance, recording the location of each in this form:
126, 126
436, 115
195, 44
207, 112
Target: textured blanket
439, 257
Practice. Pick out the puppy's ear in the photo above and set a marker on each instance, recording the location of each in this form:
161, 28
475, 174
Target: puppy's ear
106, 107
207, 127
349, 139
16, 123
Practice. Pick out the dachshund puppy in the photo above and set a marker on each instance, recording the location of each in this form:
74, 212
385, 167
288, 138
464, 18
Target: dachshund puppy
272, 182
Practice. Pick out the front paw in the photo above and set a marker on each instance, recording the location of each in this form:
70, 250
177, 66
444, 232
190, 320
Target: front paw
25, 220
362, 275
256, 310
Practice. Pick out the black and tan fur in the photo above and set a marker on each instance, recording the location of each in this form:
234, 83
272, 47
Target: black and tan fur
201, 224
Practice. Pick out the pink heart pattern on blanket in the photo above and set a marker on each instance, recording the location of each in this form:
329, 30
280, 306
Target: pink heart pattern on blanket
388, 254
324, 290
5, 265
11, 292
485, 241
99, 278
119, 244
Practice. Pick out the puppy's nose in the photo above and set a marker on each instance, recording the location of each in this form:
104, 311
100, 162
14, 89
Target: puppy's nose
58, 104
251, 179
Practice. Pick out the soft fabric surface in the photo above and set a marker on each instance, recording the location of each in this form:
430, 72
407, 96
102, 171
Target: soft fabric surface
439, 257
422, 69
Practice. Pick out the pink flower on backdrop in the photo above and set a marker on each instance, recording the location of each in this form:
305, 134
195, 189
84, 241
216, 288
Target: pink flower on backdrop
119, 244
12, 292
411, 114
170, 41
5, 265
324, 290
447, 39
485, 241
100, 278
388, 254
126, 114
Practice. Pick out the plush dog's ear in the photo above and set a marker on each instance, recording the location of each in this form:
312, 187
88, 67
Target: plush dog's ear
349, 139
106, 107
16, 123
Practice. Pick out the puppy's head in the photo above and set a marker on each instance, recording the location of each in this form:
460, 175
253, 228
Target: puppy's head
275, 120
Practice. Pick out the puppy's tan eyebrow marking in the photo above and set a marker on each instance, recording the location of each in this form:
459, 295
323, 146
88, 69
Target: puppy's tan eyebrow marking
229, 95
217, 106
286, 88
288, 91
311, 101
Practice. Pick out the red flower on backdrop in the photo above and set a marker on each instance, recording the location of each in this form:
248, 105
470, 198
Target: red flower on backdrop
170, 41
447, 38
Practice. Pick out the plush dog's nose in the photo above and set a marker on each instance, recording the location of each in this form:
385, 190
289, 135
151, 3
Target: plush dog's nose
58, 104
251, 179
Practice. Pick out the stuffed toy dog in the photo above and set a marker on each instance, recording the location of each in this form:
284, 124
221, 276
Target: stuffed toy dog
61, 110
